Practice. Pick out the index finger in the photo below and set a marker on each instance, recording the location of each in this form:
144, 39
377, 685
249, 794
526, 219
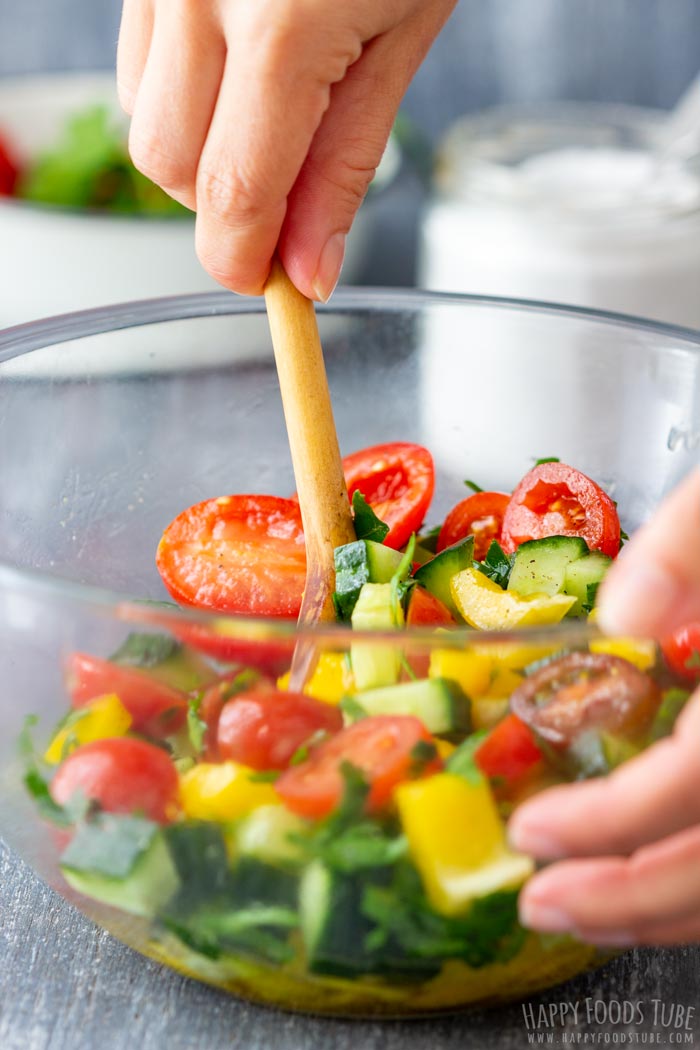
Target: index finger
272, 98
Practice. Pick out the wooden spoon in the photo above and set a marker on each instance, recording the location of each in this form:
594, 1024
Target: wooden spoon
318, 470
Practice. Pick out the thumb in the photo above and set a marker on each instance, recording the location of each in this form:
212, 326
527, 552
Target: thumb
654, 586
346, 150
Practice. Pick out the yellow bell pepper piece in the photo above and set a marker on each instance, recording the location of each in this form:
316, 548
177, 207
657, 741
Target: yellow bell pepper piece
222, 791
471, 670
637, 651
444, 748
457, 840
487, 711
101, 719
515, 656
503, 684
485, 605
331, 680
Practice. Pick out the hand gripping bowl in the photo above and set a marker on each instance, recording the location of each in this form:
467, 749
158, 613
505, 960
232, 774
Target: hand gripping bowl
106, 434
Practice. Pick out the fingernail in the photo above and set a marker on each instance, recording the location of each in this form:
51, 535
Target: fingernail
641, 595
329, 265
544, 917
607, 938
524, 838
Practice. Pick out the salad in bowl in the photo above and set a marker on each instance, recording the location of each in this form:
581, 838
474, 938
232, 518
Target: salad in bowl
336, 841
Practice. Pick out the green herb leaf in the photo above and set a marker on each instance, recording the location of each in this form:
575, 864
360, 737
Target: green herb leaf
400, 585
422, 754
367, 525
473, 485
302, 753
145, 650
496, 565
264, 776
37, 783
352, 710
196, 726
672, 703
547, 459
462, 763
591, 596
109, 844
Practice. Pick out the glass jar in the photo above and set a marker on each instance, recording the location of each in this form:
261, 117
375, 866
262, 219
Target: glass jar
569, 203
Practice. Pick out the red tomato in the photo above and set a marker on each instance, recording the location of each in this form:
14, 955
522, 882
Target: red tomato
682, 651
263, 730
424, 610
380, 747
156, 709
123, 775
272, 658
236, 554
509, 751
9, 171
556, 500
397, 480
480, 516
213, 700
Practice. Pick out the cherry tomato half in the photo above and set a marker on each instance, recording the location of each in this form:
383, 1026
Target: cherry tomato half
156, 709
236, 554
509, 751
682, 651
263, 730
123, 775
480, 516
583, 691
381, 747
556, 500
397, 480
270, 657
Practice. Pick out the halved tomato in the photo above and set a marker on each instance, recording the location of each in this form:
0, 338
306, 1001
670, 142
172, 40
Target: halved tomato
156, 708
553, 499
397, 480
480, 516
269, 657
236, 554
123, 775
424, 610
9, 170
382, 748
263, 730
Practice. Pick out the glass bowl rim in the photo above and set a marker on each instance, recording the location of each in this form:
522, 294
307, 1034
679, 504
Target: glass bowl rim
33, 335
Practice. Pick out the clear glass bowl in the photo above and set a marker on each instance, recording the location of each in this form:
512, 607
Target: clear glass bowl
112, 421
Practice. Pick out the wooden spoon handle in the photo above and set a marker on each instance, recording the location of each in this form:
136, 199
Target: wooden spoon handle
318, 470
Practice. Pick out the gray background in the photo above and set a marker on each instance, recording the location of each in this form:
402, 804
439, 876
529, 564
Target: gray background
640, 51
64, 984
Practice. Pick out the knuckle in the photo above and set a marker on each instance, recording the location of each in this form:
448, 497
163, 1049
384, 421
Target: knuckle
349, 181
156, 163
229, 199
126, 94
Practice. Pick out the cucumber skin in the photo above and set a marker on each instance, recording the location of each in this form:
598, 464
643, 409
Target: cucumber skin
582, 574
435, 575
357, 563
150, 884
439, 703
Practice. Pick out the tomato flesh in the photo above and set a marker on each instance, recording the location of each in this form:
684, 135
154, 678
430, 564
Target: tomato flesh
236, 554
123, 775
379, 747
424, 610
156, 708
509, 751
264, 729
480, 516
397, 480
553, 499
682, 651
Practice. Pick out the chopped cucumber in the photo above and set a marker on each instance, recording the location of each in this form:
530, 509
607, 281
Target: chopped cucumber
358, 563
333, 926
121, 861
265, 835
595, 754
435, 575
375, 665
582, 578
539, 566
439, 703
165, 659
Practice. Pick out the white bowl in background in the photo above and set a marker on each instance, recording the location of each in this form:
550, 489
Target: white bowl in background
55, 260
